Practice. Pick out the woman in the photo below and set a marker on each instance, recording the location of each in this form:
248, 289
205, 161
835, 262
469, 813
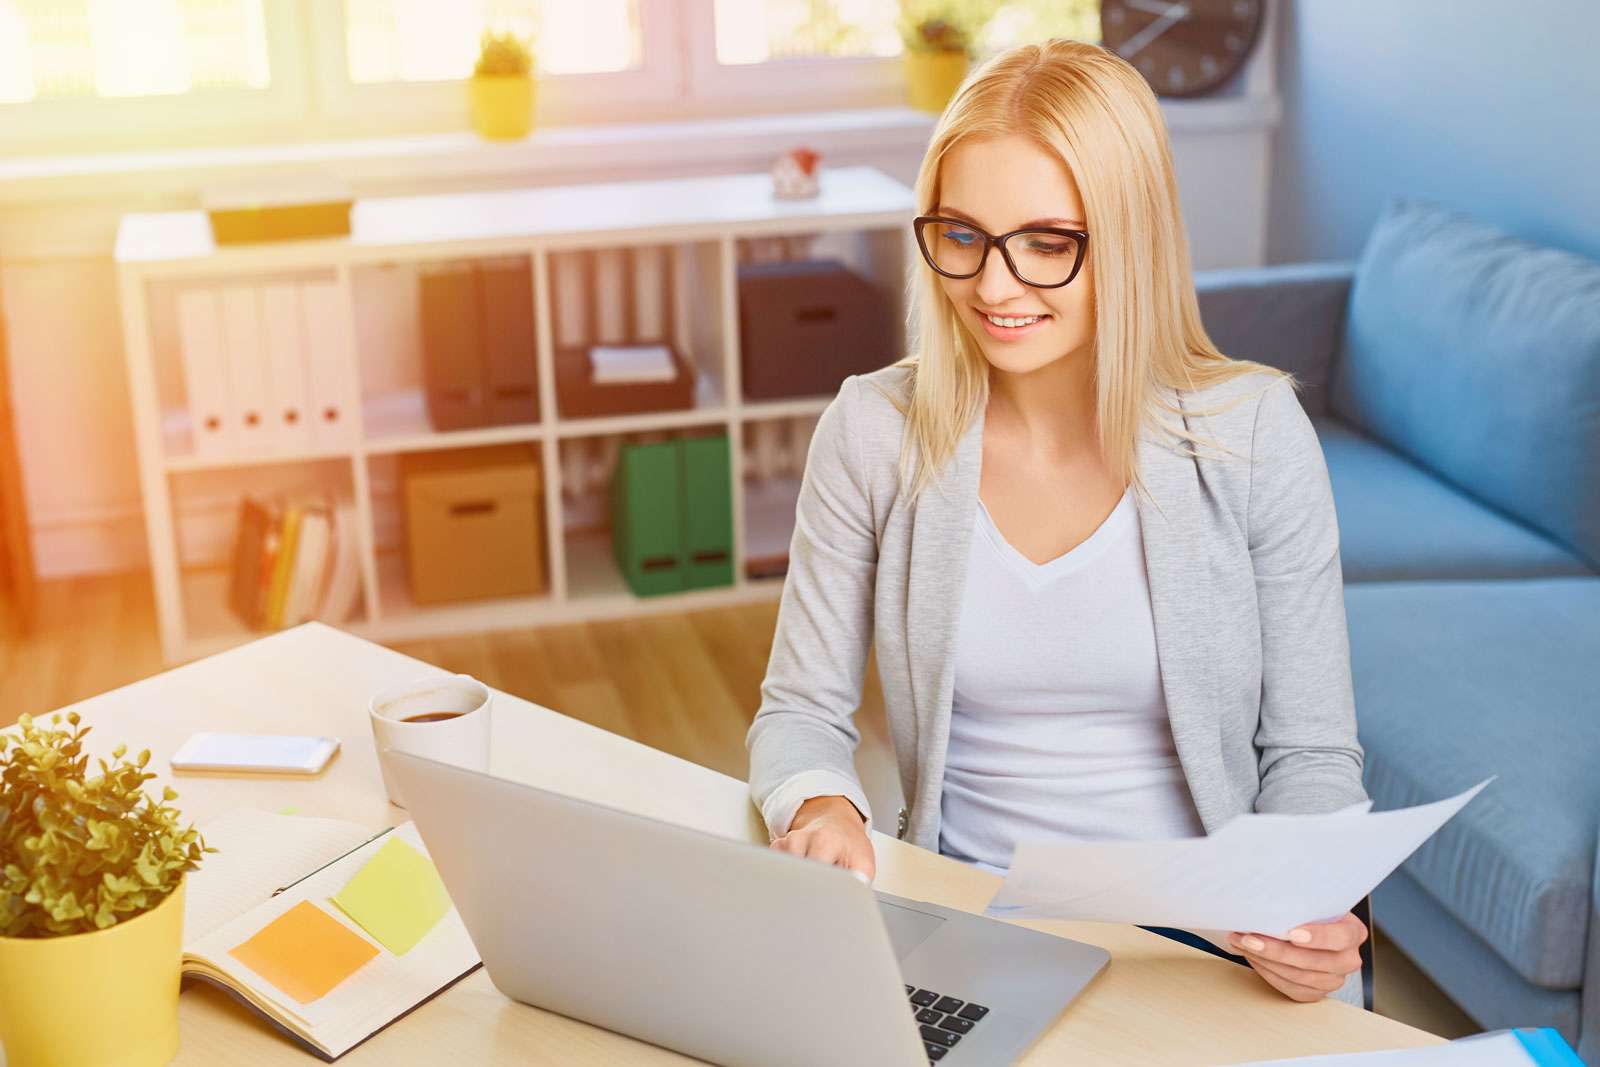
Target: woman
1098, 558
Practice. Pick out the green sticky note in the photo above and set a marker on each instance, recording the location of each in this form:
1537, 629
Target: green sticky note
397, 897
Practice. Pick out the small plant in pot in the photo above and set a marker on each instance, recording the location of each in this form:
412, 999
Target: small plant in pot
936, 42
91, 903
502, 87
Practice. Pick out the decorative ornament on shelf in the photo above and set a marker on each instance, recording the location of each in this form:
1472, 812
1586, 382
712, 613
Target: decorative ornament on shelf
795, 176
502, 87
91, 903
937, 46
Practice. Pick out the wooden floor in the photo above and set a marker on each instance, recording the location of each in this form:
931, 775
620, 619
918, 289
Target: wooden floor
687, 684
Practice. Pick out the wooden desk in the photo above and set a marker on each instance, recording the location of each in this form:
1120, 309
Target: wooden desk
1158, 1002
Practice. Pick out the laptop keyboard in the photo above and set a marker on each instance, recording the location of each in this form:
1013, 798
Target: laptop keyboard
942, 1020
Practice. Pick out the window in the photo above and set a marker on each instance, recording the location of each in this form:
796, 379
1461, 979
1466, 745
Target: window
1021, 21
424, 40
55, 49
140, 73
758, 31
838, 52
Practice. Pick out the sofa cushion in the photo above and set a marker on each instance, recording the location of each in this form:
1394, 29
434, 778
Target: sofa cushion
1397, 521
1457, 681
1458, 961
1478, 355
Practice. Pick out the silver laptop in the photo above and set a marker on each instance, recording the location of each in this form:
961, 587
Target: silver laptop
722, 950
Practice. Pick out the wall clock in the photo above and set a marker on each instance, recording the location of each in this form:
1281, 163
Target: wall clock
1183, 48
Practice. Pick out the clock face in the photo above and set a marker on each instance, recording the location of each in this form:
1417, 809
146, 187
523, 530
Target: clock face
1184, 48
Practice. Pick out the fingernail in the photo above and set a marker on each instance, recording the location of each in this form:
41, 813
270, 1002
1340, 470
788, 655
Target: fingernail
862, 877
1254, 944
1300, 937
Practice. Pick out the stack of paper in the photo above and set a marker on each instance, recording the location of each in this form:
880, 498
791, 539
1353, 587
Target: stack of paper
1261, 873
629, 364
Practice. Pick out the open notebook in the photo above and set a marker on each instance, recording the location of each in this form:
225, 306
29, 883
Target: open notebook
329, 932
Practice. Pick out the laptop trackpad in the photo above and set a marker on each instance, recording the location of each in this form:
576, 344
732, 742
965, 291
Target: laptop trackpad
907, 928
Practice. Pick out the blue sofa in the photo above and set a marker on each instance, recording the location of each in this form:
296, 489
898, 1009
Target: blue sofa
1453, 375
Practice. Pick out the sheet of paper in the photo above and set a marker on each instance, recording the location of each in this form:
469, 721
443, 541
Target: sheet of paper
1485, 1050
615, 365
257, 852
397, 897
1266, 873
305, 952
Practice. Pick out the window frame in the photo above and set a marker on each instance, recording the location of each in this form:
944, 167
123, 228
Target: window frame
311, 95
312, 99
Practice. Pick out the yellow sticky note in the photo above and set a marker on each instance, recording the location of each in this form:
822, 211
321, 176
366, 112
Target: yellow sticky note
396, 897
305, 952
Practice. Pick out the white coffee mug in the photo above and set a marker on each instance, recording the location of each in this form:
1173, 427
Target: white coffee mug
459, 734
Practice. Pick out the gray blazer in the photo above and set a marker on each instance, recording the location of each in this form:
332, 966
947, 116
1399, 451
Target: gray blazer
1242, 557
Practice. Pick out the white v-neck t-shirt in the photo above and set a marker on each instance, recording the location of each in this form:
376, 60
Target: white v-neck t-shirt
1059, 726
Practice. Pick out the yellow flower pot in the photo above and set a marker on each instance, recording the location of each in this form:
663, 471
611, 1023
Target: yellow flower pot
102, 999
502, 105
932, 78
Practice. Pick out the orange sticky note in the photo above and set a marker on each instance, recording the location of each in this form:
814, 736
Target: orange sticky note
305, 952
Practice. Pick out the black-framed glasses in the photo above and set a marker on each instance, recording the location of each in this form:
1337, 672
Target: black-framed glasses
1043, 257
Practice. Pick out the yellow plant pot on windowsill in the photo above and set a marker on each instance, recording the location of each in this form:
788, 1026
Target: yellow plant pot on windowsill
108, 998
932, 78
502, 105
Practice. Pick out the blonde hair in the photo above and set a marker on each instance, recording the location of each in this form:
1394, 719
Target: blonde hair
1095, 111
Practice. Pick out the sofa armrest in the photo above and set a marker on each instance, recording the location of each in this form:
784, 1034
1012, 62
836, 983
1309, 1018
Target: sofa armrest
1588, 1043
1289, 316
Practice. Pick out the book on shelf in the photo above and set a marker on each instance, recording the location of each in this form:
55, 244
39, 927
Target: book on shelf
294, 561
344, 575
326, 931
278, 585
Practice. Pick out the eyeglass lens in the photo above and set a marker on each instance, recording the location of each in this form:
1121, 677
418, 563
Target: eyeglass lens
1041, 258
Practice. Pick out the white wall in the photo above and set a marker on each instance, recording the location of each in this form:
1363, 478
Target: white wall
1498, 119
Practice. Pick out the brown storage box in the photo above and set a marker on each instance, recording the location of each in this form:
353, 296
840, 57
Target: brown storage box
474, 522
807, 325
579, 397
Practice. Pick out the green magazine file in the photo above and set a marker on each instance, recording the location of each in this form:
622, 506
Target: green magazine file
647, 518
707, 513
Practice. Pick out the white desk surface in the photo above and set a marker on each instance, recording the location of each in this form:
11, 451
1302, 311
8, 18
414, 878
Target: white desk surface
1157, 1003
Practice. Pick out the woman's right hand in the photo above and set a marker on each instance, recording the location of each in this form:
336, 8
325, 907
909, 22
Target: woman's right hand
831, 830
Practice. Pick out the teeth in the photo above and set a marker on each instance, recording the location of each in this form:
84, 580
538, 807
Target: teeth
1028, 321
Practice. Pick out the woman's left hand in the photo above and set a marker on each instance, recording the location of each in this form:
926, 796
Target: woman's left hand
1314, 960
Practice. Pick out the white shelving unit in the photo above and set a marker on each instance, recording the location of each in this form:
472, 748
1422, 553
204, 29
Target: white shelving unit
700, 219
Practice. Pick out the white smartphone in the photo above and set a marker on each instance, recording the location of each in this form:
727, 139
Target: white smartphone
255, 753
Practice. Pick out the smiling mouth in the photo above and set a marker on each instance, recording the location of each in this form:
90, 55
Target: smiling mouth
1013, 321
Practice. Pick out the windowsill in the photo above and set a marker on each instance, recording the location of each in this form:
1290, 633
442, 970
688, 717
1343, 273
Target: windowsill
374, 164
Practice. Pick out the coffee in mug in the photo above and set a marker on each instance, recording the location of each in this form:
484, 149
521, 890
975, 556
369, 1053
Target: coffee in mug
442, 717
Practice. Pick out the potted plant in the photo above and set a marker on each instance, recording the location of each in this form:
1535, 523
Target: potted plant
502, 87
936, 47
91, 904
